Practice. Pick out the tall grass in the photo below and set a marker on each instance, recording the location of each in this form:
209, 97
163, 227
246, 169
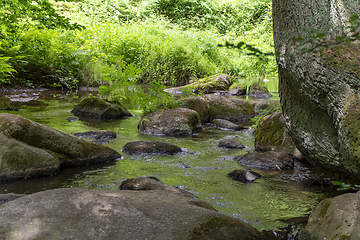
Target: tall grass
164, 41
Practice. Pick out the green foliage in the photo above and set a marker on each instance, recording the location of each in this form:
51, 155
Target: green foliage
260, 114
344, 186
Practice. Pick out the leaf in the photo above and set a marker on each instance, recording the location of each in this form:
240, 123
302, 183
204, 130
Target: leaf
336, 183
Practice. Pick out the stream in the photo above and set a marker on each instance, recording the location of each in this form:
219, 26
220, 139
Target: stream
277, 201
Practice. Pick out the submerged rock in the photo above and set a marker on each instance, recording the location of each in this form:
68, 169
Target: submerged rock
245, 176
173, 122
101, 134
337, 218
225, 124
100, 108
205, 85
150, 148
256, 90
75, 213
71, 119
147, 183
30, 149
231, 143
270, 159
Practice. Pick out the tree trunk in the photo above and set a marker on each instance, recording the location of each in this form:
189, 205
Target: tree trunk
320, 92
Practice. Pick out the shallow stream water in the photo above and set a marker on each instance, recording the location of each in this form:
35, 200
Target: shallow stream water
278, 200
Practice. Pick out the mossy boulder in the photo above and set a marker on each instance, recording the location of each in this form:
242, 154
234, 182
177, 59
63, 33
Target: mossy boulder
151, 148
30, 149
206, 85
173, 122
212, 107
271, 135
265, 105
256, 90
20, 160
199, 105
100, 108
336, 218
220, 107
75, 213
238, 89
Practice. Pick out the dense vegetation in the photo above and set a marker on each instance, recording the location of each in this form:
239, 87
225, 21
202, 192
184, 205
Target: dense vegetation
122, 42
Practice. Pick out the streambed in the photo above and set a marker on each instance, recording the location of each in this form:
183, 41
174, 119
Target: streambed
273, 202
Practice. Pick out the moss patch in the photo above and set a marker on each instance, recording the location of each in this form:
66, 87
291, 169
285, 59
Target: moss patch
352, 122
343, 58
225, 228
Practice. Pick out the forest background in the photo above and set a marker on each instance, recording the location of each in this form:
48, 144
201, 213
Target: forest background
125, 42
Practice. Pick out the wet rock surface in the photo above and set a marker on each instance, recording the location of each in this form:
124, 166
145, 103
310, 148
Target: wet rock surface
272, 135
256, 90
245, 176
101, 134
227, 125
213, 106
100, 108
270, 159
205, 85
152, 214
4, 198
335, 218
173, 122
151, 148
231, 143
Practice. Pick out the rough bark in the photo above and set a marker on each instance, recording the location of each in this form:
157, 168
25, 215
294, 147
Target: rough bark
319, 90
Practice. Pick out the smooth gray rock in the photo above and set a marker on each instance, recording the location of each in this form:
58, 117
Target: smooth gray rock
225, 124
4, 198
337, 219
269, 159
101, 134
75, 213
245, 176
231, 143
151, 148
173, 122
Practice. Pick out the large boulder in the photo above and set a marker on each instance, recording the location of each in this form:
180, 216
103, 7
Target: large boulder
199, 105
100, 108
151, 148
271, 135
30, 149
337, 219
212, 107
205, 85
256, 90
320, 90
172, 122
75, 213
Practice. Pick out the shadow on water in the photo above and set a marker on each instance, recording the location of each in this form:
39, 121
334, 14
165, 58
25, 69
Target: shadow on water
277, 203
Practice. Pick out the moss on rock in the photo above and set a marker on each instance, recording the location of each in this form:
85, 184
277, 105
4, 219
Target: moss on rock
100, 108
225, 228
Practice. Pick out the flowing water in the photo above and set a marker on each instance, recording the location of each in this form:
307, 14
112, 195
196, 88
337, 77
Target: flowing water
275, 201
